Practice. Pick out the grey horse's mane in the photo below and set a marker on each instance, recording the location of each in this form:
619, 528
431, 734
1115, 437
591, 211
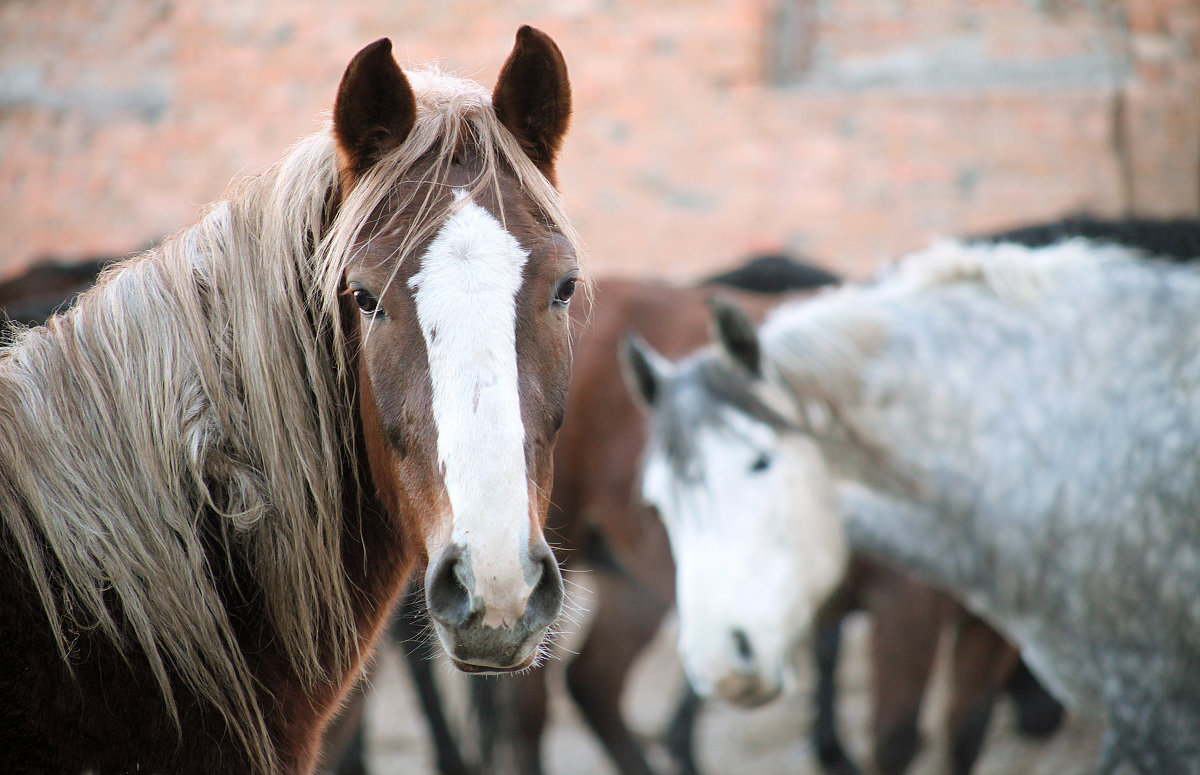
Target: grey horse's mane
819, 345
211, 374
819, 348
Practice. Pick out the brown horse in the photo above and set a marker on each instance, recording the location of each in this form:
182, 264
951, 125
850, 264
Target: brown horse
218, 468
908, 619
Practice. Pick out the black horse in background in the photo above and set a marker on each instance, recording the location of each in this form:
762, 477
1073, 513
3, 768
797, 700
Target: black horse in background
49, 285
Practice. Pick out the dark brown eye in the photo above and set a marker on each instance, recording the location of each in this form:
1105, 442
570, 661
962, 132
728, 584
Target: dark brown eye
566, 289
365, 301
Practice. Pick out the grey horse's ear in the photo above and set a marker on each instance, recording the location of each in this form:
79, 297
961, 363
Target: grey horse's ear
644, 369
736, 334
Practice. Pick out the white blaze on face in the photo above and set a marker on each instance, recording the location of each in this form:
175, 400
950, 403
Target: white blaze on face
758, 546
465, 297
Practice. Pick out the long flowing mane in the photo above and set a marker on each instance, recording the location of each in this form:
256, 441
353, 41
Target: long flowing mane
207, 382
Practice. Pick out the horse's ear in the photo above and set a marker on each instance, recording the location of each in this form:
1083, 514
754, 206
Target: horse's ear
736, 334
374, 111
532, 97
644, 369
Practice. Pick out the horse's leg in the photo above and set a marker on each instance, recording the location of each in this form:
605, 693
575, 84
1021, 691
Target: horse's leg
982, 663
827, 644
1039, 714
627, 615
484, 707
408, 631
681, 732
907, 619
512, 712
345, 739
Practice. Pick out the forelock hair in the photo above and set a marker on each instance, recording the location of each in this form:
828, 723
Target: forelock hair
707, 386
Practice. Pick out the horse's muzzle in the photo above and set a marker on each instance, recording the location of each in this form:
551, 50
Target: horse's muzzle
735, 671
489, 628
749, 691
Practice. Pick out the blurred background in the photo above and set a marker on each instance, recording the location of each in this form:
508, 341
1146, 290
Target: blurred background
845, 130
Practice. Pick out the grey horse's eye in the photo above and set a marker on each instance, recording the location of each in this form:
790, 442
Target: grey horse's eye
761, 463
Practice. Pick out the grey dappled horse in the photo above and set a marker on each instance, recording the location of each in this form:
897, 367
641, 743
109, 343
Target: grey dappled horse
1021, 425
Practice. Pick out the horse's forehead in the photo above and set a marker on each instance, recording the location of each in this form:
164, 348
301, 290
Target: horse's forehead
427, 203
696, 423
471, 259
693, 471
684, 408
502, 197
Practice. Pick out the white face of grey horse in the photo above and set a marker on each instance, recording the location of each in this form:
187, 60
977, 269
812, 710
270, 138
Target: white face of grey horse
758, 546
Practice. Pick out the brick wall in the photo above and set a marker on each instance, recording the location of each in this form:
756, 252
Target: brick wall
850, 130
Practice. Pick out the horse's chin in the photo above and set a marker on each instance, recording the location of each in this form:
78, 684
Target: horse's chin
487, 650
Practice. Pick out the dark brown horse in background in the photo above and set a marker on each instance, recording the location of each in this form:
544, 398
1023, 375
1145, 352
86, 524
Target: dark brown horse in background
598, 523
52, 284
217, 469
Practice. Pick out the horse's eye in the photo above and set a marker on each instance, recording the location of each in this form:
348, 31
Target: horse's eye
365, 301
761, 463
566, 289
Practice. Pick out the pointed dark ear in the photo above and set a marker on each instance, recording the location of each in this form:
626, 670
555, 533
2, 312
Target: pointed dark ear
374, 112
736, 334
644, 369
532, 97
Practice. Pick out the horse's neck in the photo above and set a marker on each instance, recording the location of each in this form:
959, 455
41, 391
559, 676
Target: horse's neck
878, 409
376, 558
888, 503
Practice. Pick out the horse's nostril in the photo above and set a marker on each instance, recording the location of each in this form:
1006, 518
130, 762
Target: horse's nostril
545, 602
446, 591
742, 647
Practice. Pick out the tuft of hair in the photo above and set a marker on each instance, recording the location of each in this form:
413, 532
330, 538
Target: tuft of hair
1013, 271
210, 376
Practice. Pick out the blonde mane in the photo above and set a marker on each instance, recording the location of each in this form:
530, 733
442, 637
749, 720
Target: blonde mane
212, 374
